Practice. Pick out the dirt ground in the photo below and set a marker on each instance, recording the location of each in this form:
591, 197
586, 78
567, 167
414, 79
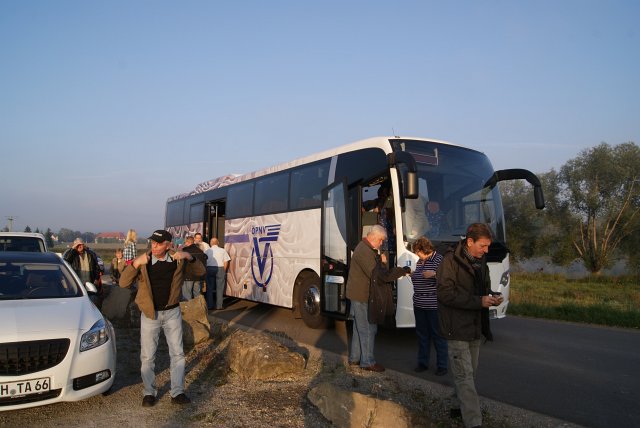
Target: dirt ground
221, 399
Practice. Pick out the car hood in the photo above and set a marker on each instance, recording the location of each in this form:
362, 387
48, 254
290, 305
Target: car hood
27, 318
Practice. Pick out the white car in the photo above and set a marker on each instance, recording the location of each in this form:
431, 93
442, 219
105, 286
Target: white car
23, 241
55, 345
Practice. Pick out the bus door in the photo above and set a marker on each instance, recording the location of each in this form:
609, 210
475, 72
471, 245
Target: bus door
214, 224
334, 253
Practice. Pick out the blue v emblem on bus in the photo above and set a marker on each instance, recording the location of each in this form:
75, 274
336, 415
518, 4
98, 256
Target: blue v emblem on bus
263, 257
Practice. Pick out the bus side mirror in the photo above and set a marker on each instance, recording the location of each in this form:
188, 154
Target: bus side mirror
411, 192
538, 197
410, 177
518, 174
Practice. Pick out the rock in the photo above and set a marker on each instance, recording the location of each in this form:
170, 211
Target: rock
352, 409
116, 303
195, 323
258, 356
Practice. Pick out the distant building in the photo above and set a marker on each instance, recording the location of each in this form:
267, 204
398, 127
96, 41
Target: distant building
109, 237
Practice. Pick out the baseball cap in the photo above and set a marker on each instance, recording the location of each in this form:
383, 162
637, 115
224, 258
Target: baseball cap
161, 236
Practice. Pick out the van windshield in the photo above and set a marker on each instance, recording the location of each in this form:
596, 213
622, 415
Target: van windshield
21, 243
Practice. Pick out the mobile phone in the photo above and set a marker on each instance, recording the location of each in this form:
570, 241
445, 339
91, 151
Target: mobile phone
495, 293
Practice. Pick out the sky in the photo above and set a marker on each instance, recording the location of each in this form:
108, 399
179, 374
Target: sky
109, 108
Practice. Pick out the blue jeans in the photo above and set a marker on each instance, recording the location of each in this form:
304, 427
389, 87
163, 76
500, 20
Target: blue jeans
216, 281
363, 335
170, 321
427, 330
191, 289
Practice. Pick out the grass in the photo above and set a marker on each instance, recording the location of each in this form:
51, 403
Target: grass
612, 301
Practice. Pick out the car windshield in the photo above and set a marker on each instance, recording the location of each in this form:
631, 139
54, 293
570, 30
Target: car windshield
36, 281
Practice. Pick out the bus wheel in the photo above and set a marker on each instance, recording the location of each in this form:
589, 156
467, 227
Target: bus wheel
309, 303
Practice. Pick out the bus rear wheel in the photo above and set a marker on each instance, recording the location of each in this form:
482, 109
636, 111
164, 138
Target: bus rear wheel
308, 301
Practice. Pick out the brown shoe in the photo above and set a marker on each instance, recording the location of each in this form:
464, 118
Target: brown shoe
354, 363
374, 368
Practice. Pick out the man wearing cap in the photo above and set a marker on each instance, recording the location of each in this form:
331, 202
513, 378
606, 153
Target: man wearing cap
160, 274
85, 262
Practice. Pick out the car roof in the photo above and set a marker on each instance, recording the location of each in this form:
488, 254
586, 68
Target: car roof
30, 234
29, 257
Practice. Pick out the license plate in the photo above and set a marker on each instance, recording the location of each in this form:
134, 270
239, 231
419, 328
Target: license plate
24, 387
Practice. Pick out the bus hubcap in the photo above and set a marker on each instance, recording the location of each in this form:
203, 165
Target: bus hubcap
312, 301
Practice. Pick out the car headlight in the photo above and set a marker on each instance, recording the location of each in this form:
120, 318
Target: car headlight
96, 336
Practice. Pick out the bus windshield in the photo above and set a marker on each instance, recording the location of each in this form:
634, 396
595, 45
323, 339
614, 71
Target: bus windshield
452, 193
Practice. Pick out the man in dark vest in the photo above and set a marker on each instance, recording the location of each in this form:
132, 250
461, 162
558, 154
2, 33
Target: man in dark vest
160, 274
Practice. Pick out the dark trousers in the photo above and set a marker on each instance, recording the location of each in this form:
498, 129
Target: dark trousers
427, 330
216, 282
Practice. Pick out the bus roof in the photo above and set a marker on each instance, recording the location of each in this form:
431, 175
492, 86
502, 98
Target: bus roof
380, 142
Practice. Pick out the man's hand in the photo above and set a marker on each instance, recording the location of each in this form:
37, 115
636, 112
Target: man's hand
140, 260
178, 255
488, 301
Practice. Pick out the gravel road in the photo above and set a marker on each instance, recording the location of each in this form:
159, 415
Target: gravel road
221, 399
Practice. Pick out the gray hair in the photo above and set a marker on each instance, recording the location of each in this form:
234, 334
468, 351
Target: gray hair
377, 230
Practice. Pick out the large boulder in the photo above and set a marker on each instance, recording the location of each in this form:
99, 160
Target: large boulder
352, 409
258, 356
195, 323
118, 305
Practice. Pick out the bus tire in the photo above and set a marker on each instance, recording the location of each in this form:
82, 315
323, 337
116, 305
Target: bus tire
308, 301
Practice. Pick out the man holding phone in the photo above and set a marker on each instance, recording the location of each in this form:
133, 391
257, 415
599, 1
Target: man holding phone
464, 298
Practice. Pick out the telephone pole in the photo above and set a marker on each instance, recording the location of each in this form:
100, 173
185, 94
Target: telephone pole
10, 222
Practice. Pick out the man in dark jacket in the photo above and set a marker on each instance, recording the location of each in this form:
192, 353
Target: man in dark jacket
463, 305
192, 286
362, 265
84, 262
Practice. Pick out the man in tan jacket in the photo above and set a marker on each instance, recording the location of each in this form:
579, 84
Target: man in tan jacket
160, 274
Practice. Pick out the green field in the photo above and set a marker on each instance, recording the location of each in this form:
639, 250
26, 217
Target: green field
613, 301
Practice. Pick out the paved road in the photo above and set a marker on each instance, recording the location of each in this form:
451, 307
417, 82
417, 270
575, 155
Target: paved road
582, 374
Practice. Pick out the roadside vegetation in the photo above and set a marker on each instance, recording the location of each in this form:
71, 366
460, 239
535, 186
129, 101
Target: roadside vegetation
611, 301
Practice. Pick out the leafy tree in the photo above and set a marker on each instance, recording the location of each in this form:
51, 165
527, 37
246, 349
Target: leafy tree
27, 229
601, 188
48, 238
522, 228
88, 237
535, 233
67, 235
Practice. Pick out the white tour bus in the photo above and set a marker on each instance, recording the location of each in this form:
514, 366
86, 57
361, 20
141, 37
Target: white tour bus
291, 229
